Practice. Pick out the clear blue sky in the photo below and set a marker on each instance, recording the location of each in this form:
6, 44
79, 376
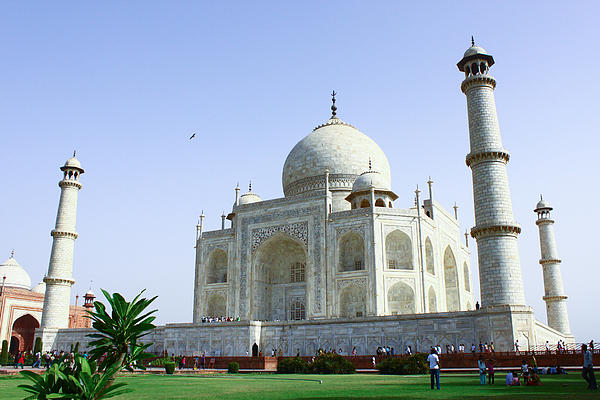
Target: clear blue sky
126, 83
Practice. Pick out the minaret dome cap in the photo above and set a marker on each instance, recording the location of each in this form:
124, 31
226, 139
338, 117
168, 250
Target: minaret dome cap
542, 205
72, 163
472, 53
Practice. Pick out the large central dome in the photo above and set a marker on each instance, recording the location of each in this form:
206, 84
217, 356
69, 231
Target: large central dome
335, 145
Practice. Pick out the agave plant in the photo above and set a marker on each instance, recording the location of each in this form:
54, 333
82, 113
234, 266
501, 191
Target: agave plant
116, 347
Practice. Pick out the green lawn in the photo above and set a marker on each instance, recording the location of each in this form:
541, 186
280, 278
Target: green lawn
333, 387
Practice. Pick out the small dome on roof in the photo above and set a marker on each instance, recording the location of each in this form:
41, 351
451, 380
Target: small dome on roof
15, 275
249, 198
89, 293
475, 50
72, 163
368, 179
40, 288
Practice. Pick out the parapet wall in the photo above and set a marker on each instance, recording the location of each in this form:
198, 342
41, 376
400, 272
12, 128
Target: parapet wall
501, 325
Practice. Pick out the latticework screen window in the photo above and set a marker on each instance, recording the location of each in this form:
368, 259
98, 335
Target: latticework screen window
297, 272
297, 311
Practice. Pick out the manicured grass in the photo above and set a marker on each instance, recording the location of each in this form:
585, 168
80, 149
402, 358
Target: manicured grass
333, 387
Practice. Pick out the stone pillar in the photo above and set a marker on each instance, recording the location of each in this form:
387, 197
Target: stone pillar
495, 229
554, 295
55, 314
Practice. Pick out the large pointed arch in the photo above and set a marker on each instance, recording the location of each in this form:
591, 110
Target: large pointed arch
24, 329
401, 299
451, 281
398, 250
278, 277
216, 269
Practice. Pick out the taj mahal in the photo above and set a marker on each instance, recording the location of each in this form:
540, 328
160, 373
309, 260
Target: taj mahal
336, 263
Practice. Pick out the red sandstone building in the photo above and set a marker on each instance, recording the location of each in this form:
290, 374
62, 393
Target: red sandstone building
21, 307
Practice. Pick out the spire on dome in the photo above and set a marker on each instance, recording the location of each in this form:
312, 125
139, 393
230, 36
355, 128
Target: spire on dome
250, 185
370, 163
12, 253
74, 153
472, 41
333, 107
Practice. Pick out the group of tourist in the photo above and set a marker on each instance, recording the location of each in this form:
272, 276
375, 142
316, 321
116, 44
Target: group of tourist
48, 358
210, 319
384, 351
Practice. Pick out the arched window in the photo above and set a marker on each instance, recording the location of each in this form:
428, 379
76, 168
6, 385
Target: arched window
391, 205
398, 250
217, 267
432, 300
401, 299
297, 271
451, 281
365, 204
429, 265
351, 252
379, 203
352, 301
297, 311
474, 68
483, 68
467, 277
216, 306
467, 71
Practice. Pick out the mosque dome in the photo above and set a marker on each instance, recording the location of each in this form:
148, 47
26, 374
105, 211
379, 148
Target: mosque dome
40, 288
15, 275
72, 163
249, 198
335, 145
370, 178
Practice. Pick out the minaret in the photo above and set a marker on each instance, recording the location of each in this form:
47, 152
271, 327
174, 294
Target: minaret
55, 314
554, 294
495, 229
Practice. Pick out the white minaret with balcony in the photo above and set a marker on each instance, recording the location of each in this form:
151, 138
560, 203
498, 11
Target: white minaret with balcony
495, 229
55, 314
554, 294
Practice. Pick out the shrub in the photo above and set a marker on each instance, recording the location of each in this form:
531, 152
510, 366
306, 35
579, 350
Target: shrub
294, 365
415, 364
160, 362
37, 347
4, 353
233, 367
169, 367
331, 363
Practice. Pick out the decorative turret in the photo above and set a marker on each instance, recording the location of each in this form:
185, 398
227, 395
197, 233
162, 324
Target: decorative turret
371, 189
55, 314
88, 299
495, 229
554, 295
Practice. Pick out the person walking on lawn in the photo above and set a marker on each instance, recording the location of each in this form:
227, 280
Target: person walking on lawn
588, 368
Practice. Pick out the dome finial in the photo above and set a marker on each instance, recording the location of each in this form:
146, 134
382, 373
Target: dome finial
369, 163
250, 185
333, 107
74, 153
472, 41
12, 253
541, 198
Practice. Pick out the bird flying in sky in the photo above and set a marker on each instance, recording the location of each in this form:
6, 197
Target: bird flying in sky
193, 136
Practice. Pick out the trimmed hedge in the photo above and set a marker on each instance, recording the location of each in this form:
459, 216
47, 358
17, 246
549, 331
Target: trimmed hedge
331, 363
4, 353
37, 347
294, 365
169, 367
233, 367
415, 364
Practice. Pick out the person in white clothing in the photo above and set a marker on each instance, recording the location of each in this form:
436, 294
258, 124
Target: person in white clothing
434, 368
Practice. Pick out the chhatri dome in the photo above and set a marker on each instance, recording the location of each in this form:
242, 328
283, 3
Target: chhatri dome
335, 145
15, 275
250, 197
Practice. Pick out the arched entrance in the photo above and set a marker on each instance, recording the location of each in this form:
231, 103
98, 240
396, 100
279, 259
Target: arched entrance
14, 345
279, 278
451, 281
24, 327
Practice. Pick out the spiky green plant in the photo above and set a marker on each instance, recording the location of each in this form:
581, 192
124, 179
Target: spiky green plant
116, 346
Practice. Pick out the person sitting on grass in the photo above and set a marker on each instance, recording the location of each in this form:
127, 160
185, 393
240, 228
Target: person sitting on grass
512, 378
534, 379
